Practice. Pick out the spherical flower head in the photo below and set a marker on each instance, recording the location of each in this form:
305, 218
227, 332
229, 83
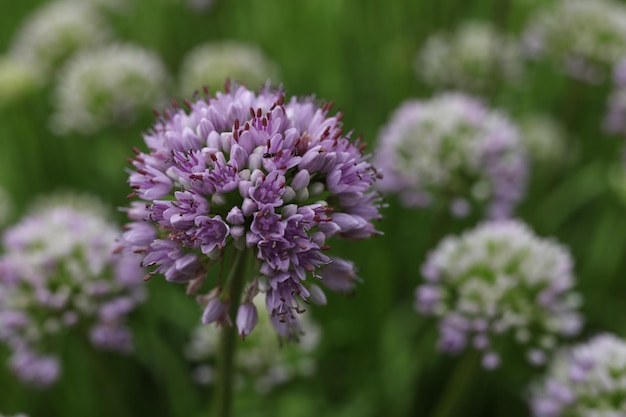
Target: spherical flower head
56, 30
211, 63
469, 59
583, 38
500, 284
59, 271
544, 138
585, 380
17, 80
107, 85
250, 172
452, 151
258, 363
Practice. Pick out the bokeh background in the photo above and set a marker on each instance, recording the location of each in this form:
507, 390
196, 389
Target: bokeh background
376, 355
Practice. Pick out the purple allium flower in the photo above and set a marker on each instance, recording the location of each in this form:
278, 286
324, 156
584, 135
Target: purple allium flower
452, 150
258, 364
582, 38
58, 271
500, 283
588, 379
250, 172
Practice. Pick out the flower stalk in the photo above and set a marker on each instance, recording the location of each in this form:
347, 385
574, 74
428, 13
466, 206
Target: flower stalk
234, 288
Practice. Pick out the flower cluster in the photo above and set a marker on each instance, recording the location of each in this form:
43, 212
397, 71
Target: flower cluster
255, 174
109, 85
586, 380
211, 63
257, 361
469, 59
544, 138
55, 31
581, 37
58, 271
497, 283
452, 150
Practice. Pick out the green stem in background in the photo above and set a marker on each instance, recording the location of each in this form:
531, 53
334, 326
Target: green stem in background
457, 385
228, 336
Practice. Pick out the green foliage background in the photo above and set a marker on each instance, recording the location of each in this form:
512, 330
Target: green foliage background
377, 356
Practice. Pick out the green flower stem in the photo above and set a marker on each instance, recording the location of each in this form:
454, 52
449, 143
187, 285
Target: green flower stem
457, 385
228, 336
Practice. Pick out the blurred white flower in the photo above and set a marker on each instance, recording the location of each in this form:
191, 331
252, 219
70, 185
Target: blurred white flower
108, 85
210, 64
454, 151
586, 380
470, 58
584, 38
54, 31
59, 271
500, 283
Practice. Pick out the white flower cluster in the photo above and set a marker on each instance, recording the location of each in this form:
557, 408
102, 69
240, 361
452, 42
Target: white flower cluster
584, 381
108, 85
582, 37
452, 150
56, 30
470, 58
496, 284
210, 64
258, 362
544, 138
59, 271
